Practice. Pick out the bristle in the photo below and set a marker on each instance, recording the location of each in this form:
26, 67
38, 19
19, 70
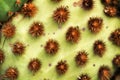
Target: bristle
81, 58
87, 4
104, 73
12, 73
29, 10
61, 67
34, 65
73, 34
116, 61
110, 11
61, 14
18, 48
114, 37
110, 2
51, 46
36, 29
8, 30
99, 48
95, 24
83, 77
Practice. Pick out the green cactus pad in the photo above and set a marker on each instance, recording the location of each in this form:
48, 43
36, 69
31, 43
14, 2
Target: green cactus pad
35, 46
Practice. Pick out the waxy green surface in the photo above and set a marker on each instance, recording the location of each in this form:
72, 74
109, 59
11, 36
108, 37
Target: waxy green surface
67, 51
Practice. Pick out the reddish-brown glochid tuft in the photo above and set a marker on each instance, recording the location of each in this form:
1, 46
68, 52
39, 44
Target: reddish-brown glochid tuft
62, 67
73, 34
51, 46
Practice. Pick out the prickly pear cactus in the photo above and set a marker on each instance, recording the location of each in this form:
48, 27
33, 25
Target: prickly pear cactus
60, 40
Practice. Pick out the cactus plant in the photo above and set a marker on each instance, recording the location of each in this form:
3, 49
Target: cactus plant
60, 40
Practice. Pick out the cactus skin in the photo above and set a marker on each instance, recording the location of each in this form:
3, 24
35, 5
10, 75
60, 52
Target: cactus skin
35, 46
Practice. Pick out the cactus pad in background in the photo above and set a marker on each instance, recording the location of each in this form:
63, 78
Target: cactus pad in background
8, 8
86, 47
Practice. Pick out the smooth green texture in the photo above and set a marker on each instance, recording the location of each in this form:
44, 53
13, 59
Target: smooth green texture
8, 5
78, 17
